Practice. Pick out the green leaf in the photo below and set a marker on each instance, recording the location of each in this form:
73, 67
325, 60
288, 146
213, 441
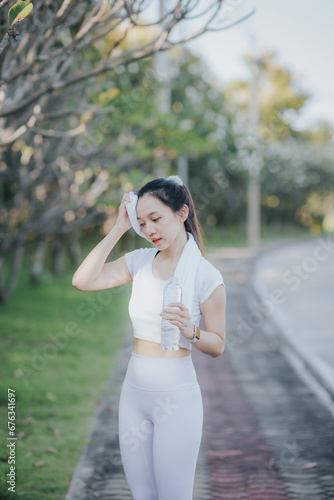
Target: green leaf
18, 12
108, 95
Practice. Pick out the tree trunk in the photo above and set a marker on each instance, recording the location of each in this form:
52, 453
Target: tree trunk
14, 270
57, 254
38, 263
74, 249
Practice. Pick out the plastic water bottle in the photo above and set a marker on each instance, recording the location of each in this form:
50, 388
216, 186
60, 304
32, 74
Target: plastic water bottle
170, 334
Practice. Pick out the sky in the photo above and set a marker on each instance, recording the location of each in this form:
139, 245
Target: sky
301, 32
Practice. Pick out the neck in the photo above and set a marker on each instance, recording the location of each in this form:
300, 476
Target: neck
174, 251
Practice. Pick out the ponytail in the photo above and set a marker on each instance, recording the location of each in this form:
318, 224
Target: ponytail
192, 225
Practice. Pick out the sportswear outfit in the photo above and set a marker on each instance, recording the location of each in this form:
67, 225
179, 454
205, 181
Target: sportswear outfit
160, 407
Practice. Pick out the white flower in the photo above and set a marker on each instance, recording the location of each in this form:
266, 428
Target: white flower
176, 179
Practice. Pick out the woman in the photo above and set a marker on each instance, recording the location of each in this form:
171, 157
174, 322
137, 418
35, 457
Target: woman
160, 408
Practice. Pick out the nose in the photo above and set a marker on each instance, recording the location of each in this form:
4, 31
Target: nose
150, 229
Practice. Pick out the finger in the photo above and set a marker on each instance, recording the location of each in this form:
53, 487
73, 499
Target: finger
169, 316
182, 309
176, 304
183, 314
178, 307
173, 315
175, 322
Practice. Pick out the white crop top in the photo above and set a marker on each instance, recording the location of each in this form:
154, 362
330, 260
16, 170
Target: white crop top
146, 299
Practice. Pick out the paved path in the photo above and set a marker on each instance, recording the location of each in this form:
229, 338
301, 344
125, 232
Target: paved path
303, 274
267, 435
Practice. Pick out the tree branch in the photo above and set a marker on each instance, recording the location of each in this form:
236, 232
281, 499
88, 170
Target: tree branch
129, 12
91, 20
57, 133
238, 21
92, 111
4, 43
204, 12
56, 86
4, 3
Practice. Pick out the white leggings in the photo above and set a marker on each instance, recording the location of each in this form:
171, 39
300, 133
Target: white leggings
160, 427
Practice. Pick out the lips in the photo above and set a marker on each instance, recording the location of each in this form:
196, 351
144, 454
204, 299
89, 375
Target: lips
156, 241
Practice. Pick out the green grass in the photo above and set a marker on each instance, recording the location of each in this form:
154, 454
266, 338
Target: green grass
57, 381
217, 237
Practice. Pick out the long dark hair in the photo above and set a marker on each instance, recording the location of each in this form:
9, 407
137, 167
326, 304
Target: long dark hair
175, 196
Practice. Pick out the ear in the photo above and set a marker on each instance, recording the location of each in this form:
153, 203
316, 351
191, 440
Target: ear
184, 212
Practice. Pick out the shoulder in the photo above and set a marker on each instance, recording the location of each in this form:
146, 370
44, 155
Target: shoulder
136, 258
207, 279
206, 267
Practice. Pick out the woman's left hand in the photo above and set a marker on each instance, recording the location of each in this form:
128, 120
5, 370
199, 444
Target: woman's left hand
179, 317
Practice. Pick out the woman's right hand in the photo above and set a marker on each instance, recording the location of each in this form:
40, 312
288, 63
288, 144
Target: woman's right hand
123, 222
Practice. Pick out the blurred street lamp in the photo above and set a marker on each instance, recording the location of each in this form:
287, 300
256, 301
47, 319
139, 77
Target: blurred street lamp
182, 169
254, 159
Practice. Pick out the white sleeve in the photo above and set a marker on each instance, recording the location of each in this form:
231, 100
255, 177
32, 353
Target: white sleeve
135, 259
209, 277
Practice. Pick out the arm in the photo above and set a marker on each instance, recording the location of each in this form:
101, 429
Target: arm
212, 339
93, 273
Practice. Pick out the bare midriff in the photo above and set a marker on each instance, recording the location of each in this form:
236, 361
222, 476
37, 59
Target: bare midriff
148, 348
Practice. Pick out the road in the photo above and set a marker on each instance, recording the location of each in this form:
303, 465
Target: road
303, 276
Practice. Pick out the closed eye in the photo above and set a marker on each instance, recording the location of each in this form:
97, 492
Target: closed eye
154, 220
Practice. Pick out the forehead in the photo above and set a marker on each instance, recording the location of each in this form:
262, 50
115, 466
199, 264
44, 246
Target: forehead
147, 204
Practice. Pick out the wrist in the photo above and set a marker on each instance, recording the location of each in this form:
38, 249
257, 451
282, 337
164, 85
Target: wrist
117, 231
196, 332
191, 331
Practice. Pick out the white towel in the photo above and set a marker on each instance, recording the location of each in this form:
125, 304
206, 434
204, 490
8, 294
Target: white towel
186, 270
132, 213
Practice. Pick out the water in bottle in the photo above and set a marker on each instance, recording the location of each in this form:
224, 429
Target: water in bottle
170, 334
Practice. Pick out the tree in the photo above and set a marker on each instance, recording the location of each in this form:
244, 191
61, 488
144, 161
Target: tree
295, 163
48, 82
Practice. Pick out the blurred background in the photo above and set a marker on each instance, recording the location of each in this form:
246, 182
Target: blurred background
96, 99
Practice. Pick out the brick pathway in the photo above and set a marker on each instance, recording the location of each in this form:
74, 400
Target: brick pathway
266, 435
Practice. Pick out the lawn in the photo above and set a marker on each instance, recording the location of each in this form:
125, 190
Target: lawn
222, 237
57, 351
